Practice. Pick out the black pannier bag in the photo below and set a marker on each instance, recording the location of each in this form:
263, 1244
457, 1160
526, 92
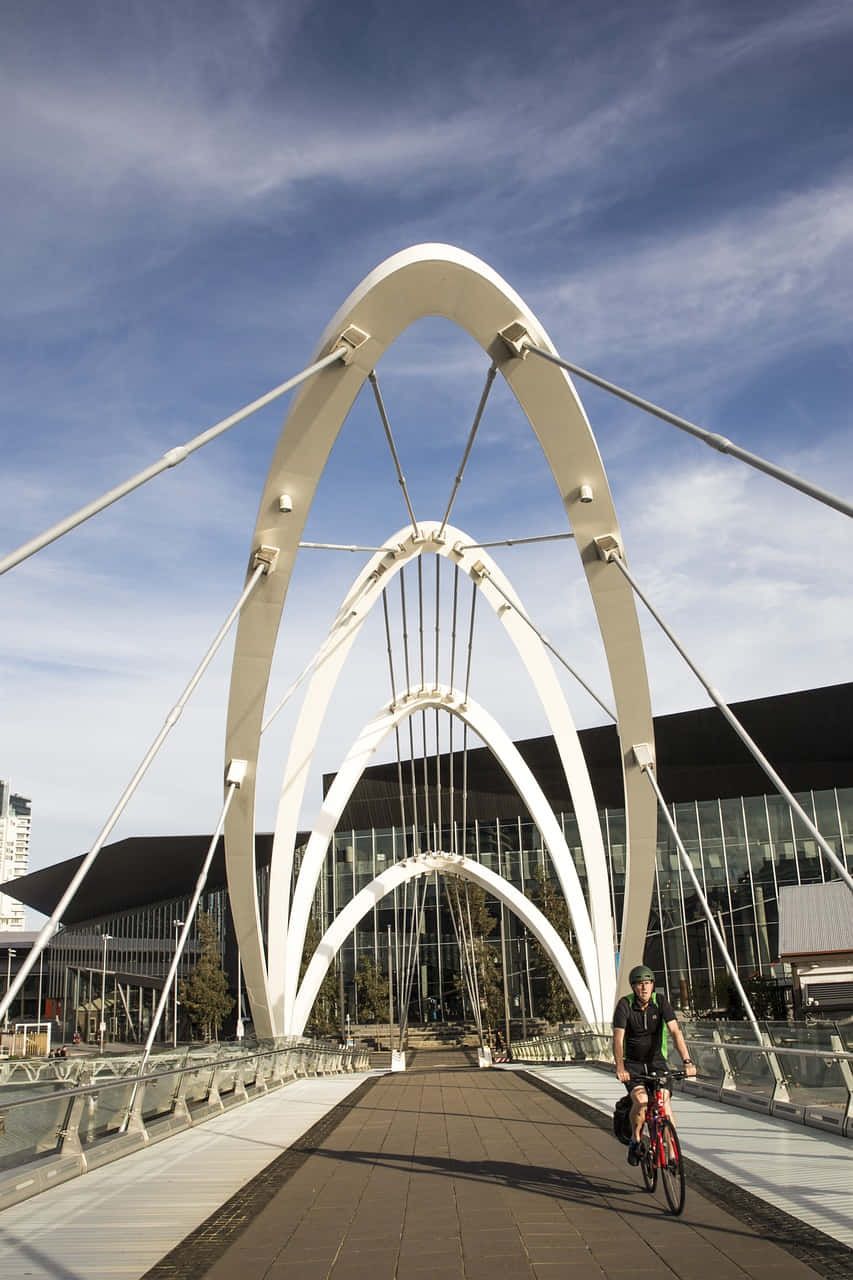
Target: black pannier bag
622, 1120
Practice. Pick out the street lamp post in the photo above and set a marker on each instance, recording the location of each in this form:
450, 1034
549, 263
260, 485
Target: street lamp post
178, 924
10, 951
105, 938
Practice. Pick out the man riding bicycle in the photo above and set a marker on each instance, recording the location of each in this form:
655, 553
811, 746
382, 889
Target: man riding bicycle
642, 1025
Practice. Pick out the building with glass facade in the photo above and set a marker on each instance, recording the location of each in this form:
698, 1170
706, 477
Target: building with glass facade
742, 841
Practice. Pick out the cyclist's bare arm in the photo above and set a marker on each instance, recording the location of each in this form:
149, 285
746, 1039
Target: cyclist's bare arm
619, 1054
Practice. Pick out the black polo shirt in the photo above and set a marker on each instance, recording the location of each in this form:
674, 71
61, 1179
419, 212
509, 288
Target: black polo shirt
645, 1029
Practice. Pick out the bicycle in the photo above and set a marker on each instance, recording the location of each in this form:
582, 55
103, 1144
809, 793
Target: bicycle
662, 1150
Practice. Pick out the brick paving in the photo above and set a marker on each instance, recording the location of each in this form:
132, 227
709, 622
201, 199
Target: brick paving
480, 1175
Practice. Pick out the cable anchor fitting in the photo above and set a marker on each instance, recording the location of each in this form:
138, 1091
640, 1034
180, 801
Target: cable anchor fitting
516, 337
266, 557
352, 338
609, 548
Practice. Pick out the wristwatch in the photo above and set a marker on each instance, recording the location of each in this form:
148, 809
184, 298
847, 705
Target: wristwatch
688, 1062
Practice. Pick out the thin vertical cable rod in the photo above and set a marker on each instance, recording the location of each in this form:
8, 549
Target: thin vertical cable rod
451, 725
405, 621
438, 842
389, 437
49, 928
685, 858
718, 442
470, 639
741, 732
394, 700
490, 377
170, 459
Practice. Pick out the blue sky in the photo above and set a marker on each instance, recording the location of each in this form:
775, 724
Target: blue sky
193, 190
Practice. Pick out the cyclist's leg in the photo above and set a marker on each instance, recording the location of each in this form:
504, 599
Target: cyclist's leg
639, 1097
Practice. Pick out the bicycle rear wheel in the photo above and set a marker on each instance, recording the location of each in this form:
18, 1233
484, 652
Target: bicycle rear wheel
672, 1171
649, 1163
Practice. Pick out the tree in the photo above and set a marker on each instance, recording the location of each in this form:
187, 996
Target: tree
479, 923
324, 1019
557, 1004
204, 994
372, 992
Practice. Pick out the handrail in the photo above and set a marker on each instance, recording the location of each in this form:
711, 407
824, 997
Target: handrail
198, 1064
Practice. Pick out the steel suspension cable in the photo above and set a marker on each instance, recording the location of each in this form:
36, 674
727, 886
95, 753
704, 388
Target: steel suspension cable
405, 621
437, 843
394, 699
613, 557
169, 980
504, 542
170, 459
711, 438
548, 645
467, 958
427, 807
321, 655
685, 858
454, 613
490, 378
49, 928
390, 438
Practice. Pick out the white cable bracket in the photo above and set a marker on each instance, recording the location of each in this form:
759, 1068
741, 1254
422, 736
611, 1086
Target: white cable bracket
644, 755
266, 557
235, 774
352, 338
457, 550
479, 571
609, 548
516, 337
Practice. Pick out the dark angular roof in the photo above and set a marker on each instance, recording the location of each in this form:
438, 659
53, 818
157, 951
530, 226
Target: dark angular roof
808, 736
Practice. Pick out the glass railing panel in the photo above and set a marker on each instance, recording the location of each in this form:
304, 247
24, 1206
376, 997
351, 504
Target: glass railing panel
159, 1095
752, 1071
104, 1112
197, 1084
30, 1131
709, 1067
799, 1035
814, 1081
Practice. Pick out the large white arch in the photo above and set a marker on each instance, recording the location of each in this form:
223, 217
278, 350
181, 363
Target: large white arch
399, 550
433, 280
510, 759
448, 864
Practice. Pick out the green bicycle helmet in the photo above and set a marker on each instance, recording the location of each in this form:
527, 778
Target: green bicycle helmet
640, 973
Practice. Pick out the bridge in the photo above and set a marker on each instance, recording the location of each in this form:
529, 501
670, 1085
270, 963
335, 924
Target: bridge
431, 713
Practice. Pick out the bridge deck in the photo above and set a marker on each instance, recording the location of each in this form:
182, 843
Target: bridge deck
451, 1172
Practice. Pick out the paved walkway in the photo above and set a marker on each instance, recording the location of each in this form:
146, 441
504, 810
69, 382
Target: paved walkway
479, 1175
803, 1171
440, 1171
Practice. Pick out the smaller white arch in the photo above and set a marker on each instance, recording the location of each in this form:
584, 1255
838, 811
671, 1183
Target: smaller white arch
459, 549
510, 759
448, 864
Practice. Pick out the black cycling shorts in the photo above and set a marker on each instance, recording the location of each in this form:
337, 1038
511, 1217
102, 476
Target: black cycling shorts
640, 1069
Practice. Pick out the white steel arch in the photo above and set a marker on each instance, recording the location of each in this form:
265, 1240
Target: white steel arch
510, 759
448, 864
400, 549
434, 280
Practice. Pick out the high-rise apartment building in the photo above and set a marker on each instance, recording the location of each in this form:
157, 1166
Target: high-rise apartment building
15, 820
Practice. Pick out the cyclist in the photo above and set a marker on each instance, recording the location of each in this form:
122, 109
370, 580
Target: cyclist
642, 1025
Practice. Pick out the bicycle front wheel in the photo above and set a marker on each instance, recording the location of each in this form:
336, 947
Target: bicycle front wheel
672, 1170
